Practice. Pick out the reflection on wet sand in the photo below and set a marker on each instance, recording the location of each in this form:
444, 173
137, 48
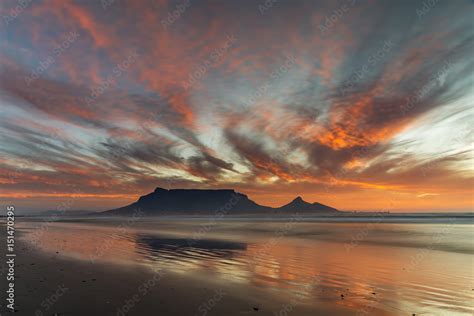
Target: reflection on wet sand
185, 255
387, 279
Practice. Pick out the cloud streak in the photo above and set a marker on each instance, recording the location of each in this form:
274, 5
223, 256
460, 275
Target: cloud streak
270, 104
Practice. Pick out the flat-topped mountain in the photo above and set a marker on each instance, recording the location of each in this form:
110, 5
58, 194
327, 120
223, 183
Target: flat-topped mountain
195, 201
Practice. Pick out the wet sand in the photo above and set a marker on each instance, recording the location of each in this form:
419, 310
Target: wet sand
52, 284
297, 266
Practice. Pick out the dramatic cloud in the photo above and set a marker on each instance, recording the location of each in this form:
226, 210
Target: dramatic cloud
358, 104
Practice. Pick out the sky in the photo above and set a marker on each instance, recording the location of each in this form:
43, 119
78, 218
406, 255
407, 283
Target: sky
360, 105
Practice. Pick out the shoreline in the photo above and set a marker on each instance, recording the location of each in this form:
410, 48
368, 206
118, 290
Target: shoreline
52, 284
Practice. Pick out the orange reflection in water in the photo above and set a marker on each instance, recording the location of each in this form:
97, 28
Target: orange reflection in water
395, 269
84, 242
391, 279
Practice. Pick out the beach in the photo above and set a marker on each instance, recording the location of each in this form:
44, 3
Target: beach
238, 267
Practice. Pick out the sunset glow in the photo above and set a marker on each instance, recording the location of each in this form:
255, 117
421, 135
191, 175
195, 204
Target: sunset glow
368, 109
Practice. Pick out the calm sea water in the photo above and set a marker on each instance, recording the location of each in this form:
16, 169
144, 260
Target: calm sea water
369, 267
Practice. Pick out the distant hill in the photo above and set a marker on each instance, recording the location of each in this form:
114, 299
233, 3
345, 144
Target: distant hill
194, 201
301, 205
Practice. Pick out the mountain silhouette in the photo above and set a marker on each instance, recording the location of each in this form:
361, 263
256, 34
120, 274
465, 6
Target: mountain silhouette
197, 201
298, 204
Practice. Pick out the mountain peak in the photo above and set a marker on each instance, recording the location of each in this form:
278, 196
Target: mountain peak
298, 204
201, 201
158, 190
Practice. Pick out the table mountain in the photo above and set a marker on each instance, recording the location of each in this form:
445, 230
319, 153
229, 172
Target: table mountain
196, 201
